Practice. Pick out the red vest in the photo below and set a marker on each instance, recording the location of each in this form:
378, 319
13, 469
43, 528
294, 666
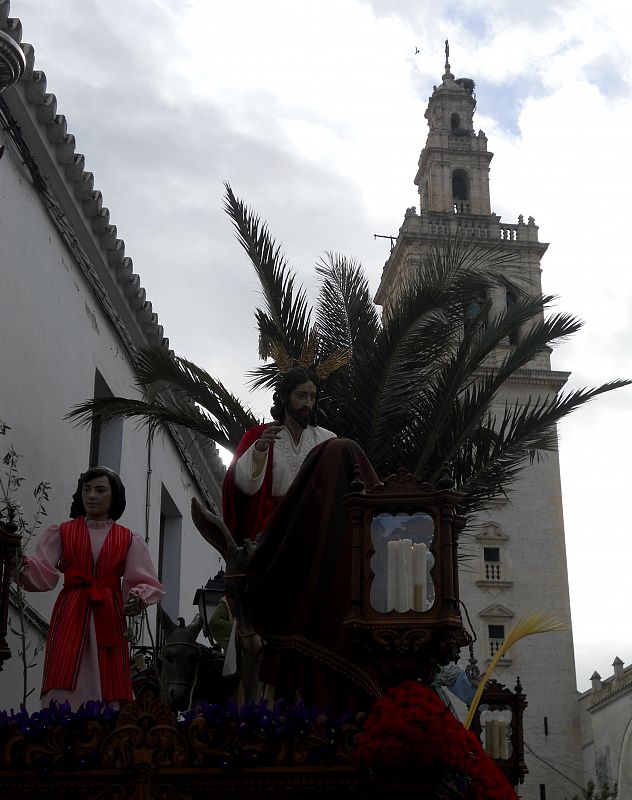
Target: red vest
90, 590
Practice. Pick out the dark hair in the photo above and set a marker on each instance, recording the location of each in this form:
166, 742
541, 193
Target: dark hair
286, 385
116, 484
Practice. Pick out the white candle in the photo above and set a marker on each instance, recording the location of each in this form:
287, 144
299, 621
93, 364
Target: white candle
503, 750
419, 577
491, 738
405, 593
392, 572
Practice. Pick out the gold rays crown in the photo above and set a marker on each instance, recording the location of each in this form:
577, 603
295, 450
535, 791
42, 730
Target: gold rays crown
285, 362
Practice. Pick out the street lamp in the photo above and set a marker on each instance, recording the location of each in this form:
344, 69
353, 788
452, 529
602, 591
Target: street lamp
12, 62
207, 599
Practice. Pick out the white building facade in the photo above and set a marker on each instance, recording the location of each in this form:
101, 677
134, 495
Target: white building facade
606, 724
72, 315
516, 552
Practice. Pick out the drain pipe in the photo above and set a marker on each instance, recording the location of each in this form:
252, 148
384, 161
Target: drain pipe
148, 489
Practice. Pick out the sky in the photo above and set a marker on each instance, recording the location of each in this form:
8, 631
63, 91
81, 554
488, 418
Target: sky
314, 112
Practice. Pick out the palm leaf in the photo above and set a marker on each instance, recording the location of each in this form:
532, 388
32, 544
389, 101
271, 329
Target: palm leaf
488, 465
464, 389
176, 392
346, 315
286, 316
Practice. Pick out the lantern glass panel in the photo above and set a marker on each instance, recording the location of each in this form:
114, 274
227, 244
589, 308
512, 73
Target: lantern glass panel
402, 562
496, 731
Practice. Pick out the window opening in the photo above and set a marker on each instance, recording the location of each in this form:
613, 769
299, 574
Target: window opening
491, 557
496, 634
106, 438
169, 553
510, 300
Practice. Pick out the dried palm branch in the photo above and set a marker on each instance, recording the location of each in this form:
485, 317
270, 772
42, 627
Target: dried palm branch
527, 626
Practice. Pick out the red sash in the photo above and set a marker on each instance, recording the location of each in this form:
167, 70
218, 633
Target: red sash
89, 589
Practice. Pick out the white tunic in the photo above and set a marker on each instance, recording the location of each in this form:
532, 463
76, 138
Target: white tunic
287, 460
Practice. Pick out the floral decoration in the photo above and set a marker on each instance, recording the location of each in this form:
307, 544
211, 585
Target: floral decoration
210, 735
411, 732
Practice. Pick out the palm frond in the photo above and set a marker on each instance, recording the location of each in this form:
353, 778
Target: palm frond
155, 416
465, 386
286, 316
346, 315
527, 626
175, 392
489, 462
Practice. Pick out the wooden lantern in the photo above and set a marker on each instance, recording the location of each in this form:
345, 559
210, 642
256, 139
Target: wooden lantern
403, 620
499, 726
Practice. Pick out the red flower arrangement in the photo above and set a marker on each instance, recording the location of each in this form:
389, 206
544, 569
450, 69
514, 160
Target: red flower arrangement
411, 729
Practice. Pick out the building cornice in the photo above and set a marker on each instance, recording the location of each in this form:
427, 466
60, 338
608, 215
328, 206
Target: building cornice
609, 695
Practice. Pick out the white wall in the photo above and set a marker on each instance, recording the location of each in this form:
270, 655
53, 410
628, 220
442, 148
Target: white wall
54, 337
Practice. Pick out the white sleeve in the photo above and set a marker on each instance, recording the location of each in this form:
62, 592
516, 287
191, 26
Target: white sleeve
244, 469
39, 572
140, 576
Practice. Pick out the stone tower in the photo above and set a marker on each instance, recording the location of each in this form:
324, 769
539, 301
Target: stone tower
517, 555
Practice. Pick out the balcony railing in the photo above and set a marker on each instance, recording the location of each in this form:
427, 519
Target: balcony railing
492, 571
461, 220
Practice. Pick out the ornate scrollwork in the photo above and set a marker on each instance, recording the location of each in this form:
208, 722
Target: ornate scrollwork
401, 641
145, 734
406, 482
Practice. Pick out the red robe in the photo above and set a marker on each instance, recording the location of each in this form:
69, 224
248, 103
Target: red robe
89, 588
246, 515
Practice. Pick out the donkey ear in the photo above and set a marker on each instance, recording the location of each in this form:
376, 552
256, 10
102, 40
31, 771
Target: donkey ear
195, 626
165, 621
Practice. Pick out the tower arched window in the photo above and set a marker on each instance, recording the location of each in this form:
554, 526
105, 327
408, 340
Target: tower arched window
461, 191
455, 123
510, 300
475, 311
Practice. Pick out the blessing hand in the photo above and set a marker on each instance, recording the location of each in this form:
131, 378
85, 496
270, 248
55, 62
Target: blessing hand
268, 437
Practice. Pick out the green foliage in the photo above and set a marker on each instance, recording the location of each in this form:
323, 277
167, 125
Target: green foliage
591, 793
12, 512
421, 387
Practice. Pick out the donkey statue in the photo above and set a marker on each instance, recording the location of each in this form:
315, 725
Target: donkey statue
189, 671
249, 643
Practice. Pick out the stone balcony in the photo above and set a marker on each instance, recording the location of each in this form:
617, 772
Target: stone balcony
462, 222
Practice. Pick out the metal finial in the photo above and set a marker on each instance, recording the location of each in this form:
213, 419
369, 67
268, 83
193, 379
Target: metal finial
445, 480
357, 484
447, 56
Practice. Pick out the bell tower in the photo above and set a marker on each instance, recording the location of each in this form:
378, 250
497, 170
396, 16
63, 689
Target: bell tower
516, 554
453, 174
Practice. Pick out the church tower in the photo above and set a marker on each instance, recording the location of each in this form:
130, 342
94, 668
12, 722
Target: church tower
516, 555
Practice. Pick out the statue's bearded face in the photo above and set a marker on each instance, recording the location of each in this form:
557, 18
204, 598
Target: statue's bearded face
300, 403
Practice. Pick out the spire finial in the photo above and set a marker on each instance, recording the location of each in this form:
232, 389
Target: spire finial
447, 72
